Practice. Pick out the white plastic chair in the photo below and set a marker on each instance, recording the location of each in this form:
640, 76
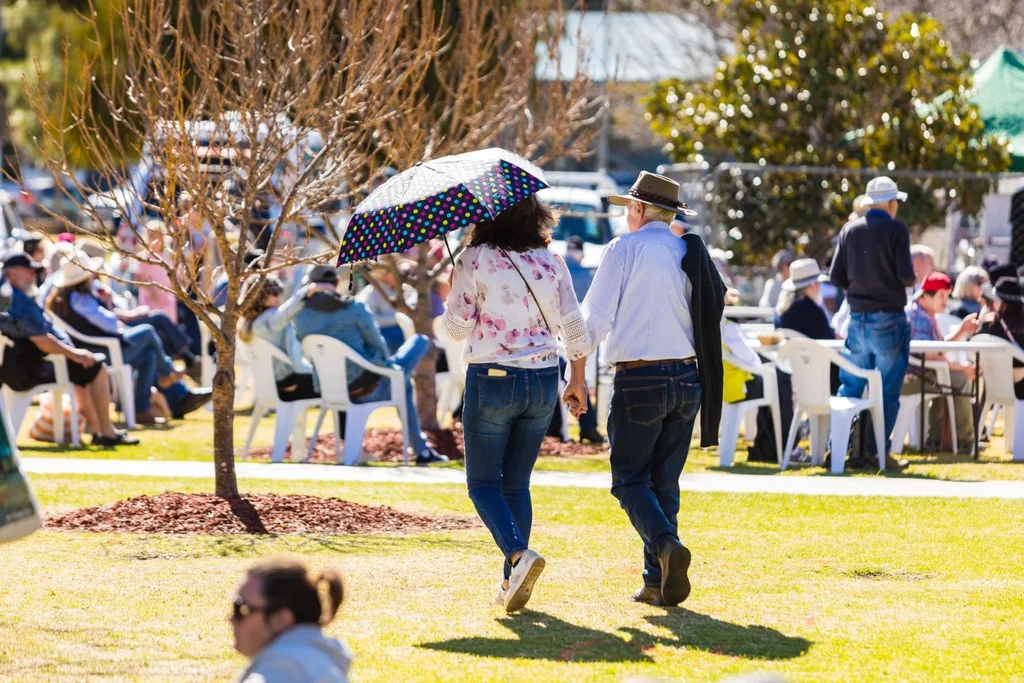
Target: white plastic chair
405, 324
122, 377
997, 370
290, 416
451, 387
910, 408
328, 356
733, 413
811, 365
18, 402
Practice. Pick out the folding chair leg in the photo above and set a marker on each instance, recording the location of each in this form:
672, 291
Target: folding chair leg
993, 413
794, 427
76, 438
258, 411
842, 421
1014, 435
58, 416
299, 433
18, 403
127, 389
355, 426
283, 424
878, 422
316, 434
952, 421
819, 428
731, 414
338, 435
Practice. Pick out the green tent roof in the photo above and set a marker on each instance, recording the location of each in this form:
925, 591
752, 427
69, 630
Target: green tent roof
999, 94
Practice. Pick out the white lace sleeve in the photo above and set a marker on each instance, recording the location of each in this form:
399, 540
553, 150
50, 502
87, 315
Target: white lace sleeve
574, 332
457, 328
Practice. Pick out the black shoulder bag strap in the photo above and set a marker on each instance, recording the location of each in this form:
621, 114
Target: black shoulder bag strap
530, 289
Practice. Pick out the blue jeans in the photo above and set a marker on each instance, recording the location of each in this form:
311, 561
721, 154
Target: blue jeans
173, 336
407, 357
145, 353
504, 420
393, 337
650, 425
878, 340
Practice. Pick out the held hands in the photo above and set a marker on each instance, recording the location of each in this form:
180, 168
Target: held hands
575, 396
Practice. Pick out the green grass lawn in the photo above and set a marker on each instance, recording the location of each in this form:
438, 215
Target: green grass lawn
813, 588
192, 439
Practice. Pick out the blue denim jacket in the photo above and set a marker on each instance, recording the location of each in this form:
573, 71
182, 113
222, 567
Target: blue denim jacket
348, 321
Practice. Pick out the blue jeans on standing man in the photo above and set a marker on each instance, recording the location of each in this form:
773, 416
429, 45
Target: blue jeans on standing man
650, 426
145, 353
505, 416
407, 357
878, 340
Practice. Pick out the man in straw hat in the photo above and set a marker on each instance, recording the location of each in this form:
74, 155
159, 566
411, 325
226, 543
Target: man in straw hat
658, 299
872, 263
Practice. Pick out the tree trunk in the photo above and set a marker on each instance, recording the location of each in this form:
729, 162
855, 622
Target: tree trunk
426, 372
226, 484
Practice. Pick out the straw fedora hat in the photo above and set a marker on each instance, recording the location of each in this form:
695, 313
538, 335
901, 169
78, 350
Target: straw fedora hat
803, 272
655, 190
78, 267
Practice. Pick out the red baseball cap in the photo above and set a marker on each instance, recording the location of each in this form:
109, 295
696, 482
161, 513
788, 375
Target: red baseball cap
936, 282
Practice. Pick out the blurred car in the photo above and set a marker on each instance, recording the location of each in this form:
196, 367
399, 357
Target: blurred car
583, 216
64, 200
11, 227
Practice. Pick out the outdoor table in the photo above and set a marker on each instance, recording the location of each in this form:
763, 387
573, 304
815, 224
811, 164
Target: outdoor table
919, 349
749, 313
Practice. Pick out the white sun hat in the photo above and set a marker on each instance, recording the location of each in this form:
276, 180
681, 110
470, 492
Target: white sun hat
884, 189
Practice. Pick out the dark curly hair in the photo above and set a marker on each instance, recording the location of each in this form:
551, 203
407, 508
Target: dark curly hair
523, 226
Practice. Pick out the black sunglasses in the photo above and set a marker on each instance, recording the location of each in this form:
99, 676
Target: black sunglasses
240, 609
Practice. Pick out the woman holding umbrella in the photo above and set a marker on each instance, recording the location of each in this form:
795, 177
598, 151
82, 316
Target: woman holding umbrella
511, 299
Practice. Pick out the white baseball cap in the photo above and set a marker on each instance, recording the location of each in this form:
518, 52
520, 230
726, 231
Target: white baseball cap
883, 189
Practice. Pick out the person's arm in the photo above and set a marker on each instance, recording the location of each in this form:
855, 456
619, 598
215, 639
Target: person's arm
571, 326
89, 307
276, 319
968, 327
602, 301
837, 273
461, 313
47, 343
901, 249
766, 294
575, 394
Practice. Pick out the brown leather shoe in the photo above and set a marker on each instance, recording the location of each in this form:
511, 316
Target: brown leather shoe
149, 418
649, 596
675, 563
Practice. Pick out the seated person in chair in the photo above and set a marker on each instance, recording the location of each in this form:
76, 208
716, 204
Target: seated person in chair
799, 307
74, 300
931, 299
327, 312
34, 337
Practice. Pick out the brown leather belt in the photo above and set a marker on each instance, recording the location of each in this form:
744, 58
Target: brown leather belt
630, 364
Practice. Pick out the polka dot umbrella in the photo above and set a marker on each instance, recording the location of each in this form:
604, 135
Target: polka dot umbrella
434, 197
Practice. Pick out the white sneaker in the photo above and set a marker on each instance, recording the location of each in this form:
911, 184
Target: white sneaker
499, 599
520, 584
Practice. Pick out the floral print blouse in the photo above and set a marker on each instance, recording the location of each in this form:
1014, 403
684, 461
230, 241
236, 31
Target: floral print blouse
491, 307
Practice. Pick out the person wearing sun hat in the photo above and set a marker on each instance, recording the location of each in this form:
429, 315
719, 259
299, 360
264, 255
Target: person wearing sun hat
872, 264
658, 299
799, 307
1007, 322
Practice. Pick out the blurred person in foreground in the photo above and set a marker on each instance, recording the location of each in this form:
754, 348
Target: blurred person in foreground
277, 618
1006, 321
872, 264
923, 260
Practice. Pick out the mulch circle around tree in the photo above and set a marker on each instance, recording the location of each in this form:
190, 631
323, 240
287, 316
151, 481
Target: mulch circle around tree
266, 513
385, 445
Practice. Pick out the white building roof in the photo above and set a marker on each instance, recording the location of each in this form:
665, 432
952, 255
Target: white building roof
638, 47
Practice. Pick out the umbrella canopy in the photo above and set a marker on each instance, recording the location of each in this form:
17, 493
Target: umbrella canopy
999, 94
434, 197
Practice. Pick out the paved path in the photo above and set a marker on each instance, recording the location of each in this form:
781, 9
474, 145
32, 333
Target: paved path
718, 483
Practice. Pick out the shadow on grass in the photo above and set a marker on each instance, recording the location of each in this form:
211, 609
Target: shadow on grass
542, 636
242, 545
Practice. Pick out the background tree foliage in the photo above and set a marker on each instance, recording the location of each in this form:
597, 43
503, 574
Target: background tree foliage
827, 83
